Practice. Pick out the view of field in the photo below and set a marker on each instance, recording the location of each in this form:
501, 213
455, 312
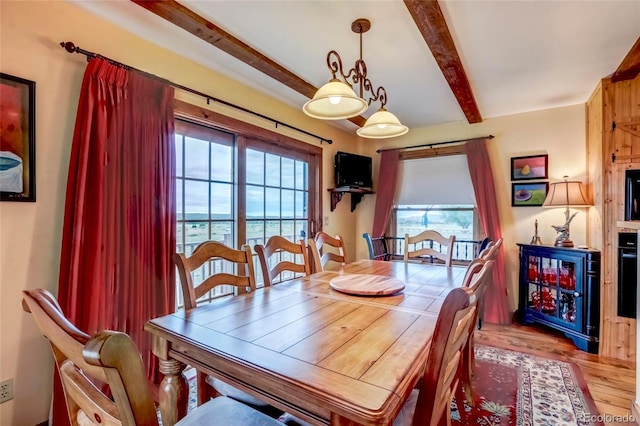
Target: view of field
275, 197
193, 232
447, 220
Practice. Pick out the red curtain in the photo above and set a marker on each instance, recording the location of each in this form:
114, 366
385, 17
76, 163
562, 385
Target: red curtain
496, 299
387, 180
119, 221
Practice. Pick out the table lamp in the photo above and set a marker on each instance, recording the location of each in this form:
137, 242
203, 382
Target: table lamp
566, 194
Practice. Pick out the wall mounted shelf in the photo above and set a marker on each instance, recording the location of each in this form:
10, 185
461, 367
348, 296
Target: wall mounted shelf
356, 195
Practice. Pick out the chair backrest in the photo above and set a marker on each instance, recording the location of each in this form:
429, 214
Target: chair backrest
320, 256
430, 236
213, 250
450, 337
478, 282
279, 245
377, 247
479, 274
472, 269
110, 357
491, 251
483, 245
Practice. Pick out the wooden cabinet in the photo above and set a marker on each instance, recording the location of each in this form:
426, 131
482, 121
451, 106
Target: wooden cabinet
613, 146
560, 288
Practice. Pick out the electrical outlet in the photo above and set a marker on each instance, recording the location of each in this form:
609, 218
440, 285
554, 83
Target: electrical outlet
6, 390
326, 221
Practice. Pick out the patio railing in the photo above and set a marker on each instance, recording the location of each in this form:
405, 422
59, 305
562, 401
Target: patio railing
464, 251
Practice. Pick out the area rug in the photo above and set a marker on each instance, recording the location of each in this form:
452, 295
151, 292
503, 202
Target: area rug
513, 388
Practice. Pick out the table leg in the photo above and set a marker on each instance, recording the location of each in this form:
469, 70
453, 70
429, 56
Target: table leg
174, 392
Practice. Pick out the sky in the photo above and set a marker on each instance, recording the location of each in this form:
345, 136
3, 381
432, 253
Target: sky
276, 186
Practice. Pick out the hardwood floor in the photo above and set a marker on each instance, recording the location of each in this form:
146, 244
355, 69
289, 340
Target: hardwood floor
611, 381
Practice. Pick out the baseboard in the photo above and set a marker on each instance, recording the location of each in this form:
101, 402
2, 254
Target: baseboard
635, 410
45, 423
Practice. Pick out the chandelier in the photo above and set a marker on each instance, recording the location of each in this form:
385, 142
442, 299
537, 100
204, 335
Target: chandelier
337, 100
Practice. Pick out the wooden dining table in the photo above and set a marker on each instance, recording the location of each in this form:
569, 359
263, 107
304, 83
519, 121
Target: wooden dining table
325, 356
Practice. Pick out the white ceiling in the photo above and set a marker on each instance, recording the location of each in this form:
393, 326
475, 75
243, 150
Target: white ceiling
519, 56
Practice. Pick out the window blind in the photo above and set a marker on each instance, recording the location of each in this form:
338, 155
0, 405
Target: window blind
435, 181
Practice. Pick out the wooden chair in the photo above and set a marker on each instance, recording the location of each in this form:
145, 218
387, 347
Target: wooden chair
430, 403
431, 237
277, 245
473, 268
483, 245
321, 257
377, 247
491, 250
208, 251
489, 253
477, 281
112, 357
211, 250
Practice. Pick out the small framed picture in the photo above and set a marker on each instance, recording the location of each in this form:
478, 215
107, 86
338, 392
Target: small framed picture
530, 167
528, 194
17, 144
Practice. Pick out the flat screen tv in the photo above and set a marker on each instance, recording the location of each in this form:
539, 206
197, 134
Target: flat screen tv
353, 170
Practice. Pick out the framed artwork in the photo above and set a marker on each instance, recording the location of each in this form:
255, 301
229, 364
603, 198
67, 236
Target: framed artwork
17, 139
530, 167
528, 194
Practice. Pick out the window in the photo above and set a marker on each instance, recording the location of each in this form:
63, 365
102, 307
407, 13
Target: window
277, 195
436, 193
277, 199
205, 196
458, 220
237, 188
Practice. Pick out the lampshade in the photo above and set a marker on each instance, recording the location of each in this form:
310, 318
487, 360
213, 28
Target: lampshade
382, 124
567, 193
334, 101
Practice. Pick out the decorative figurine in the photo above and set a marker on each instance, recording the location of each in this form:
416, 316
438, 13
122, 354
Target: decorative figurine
536, 238
563, 239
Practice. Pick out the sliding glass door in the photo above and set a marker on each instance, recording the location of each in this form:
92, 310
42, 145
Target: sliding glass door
277, 196
240, 190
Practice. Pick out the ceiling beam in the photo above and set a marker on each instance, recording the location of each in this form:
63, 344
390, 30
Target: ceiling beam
630, 66
189, 21
430, 21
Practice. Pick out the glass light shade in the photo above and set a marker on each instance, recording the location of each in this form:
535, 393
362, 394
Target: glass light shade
567, 193
334, 101
382, 124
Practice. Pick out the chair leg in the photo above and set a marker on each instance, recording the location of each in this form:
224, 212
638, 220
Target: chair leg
466, 371
201, 383
459, 398
471, 356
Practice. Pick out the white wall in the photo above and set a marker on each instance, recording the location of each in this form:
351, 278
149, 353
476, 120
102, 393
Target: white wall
558, 132
30, 233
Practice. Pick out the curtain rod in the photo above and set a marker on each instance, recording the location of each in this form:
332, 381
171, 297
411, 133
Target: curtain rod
72, 48
436, 143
